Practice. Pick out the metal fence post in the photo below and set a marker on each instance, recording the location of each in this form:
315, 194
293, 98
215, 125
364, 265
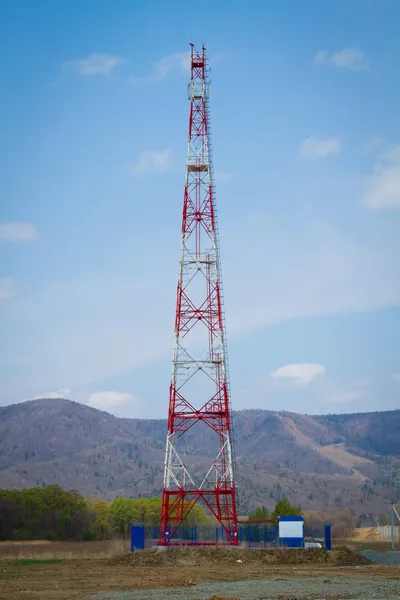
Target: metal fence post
137, 537
392, 524
328, 536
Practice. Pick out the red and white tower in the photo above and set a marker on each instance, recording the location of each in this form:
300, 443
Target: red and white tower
199, 390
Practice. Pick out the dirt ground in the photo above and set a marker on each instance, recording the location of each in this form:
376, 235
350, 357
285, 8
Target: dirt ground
124, 577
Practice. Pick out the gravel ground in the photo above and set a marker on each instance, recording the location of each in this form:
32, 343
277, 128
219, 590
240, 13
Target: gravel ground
382, 558
316, 588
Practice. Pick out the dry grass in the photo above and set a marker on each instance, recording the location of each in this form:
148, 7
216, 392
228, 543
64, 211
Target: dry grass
366, 534
43, 550
210, 557
356, 544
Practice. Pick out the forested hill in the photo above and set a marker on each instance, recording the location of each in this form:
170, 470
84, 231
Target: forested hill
350, 461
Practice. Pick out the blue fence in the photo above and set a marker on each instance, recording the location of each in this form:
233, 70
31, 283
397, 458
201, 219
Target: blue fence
250, 536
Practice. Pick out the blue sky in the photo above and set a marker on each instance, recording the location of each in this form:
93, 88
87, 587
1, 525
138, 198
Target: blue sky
306, 136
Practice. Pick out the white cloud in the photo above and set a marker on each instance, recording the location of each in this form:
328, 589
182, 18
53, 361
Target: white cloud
352, 59
17, 232
348, 394
152, 161
396, 376
223, 176
6, 288
96, 63
392, 154
61, 393
376, 142
314, 147
114, 401
299, 373
172, 63
383, 186
292, 391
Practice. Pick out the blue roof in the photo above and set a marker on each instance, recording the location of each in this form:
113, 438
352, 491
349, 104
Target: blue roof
291, 518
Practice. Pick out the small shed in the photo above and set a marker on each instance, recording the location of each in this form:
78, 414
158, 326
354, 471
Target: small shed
291, 532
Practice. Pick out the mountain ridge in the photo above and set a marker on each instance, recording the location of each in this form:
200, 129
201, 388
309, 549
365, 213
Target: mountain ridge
320, 461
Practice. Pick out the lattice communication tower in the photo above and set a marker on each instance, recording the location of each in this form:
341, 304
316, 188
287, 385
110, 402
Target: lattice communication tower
199, 390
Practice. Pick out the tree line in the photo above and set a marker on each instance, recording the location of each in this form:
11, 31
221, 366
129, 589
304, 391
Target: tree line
341, 520
283, 508
55, 514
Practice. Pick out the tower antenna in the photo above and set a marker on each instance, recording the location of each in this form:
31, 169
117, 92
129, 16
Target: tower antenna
199, 390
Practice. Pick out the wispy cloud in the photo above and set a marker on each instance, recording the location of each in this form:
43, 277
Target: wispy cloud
6, 288
306, 385
376, 143
317, 273
353, 392
299, 373
17, 232
314, 147
114, 402
396, 376
61, 393
383, 185
96, 63
90, 350
352, 59
223, 176
268, 279
152, 161
172, 63
257, 218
